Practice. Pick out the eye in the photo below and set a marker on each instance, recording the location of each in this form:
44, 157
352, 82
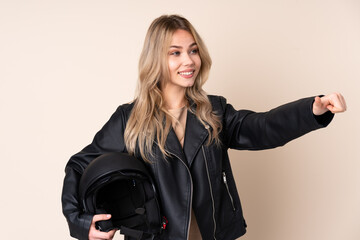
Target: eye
175, 53
194, 51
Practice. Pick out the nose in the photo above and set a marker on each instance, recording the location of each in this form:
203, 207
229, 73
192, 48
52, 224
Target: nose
188, 60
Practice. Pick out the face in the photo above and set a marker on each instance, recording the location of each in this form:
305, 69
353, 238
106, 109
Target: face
183, 60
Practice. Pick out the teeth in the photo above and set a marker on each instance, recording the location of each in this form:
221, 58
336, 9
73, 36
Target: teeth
186, 73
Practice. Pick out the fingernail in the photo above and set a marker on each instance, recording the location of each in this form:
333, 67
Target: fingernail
108, 215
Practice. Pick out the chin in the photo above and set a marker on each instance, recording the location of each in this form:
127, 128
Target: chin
189, 85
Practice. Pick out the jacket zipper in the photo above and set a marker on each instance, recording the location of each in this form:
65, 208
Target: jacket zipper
191, 194
228, 191
211, 190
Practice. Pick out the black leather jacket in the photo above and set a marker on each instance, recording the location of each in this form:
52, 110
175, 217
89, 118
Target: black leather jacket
198, 175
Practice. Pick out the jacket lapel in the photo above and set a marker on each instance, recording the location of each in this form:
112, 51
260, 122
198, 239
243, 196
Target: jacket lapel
173, 146
195, 135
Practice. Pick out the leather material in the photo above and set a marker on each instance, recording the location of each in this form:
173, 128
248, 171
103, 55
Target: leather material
193, 176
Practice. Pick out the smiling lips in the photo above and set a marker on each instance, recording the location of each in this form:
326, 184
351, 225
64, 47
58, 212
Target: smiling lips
187, 73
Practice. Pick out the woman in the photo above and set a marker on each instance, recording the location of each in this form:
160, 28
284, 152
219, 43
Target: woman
183, 135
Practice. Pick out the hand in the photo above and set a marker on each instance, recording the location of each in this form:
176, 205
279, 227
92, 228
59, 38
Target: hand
95, 234
334, 102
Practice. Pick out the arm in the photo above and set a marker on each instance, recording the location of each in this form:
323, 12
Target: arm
108, 139
79, 222
81, 225
255, 131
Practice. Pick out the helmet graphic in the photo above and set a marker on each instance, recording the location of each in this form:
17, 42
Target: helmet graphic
120, 185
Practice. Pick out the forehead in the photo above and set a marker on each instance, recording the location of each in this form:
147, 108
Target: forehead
182, 38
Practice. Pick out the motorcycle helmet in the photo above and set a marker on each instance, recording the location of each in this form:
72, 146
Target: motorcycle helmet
119, 184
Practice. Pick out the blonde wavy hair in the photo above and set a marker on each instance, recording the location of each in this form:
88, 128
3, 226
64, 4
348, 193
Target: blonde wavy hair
150, 121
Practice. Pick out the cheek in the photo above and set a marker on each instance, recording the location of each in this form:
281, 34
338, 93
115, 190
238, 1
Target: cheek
198, 62
198, 66
173, 66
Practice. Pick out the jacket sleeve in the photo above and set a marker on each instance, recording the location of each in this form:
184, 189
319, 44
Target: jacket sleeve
108, 139
247, 130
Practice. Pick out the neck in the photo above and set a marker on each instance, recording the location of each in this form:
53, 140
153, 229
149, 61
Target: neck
174, 98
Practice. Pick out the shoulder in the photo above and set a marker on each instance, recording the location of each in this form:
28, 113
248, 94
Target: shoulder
126, 107
218, 102
124, 110
120, 117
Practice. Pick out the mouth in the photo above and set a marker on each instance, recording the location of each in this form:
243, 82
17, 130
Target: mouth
187, 73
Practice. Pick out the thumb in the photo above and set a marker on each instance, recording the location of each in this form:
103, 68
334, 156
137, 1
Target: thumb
331, 108
319, 106
101, 217
318, 102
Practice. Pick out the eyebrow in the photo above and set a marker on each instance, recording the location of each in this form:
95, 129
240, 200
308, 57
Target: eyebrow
191, 45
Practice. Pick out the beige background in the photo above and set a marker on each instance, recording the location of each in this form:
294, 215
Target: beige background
66, 65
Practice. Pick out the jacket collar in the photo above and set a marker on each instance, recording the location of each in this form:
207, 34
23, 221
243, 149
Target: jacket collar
195, 135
